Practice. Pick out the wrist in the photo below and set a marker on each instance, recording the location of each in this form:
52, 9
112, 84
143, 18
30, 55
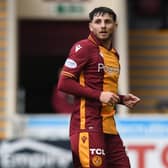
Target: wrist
121, 101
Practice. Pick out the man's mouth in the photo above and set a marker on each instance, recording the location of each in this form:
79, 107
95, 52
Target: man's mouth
103, 32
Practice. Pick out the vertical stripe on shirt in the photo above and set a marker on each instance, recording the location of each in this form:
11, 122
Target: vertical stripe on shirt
82, 105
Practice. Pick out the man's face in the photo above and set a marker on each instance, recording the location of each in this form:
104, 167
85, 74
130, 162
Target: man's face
102, 26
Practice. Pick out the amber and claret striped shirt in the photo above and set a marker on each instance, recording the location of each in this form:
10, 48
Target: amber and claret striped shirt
88, 70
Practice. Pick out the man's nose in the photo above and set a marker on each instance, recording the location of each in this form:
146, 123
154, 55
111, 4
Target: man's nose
103, 24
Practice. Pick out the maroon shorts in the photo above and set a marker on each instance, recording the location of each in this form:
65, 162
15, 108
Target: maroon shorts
116, 156
97, 150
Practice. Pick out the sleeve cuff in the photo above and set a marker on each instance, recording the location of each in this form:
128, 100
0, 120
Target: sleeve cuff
121, 101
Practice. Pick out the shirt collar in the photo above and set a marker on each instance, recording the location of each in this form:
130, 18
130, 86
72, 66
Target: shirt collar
93, 39
97, 42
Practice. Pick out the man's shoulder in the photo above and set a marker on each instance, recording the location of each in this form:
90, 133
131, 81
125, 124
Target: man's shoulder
83, 46
84, 42
114, 50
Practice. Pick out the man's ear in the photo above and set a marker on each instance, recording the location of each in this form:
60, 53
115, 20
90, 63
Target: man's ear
90, 27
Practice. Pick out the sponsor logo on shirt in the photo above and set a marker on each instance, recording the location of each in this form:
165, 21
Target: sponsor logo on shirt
108, 69
70, 63
97, 151
77, 47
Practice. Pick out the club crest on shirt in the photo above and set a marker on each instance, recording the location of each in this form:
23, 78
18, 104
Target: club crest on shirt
70, 63
97, 161
77, 47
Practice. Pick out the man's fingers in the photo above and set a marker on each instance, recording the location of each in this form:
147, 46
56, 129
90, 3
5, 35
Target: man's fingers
134, 98
115, 98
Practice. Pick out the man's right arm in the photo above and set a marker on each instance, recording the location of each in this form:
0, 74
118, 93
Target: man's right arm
71, 86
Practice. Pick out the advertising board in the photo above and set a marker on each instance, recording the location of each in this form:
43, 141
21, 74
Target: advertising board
46, 143
146, 139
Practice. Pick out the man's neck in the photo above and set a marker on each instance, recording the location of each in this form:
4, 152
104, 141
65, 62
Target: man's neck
107, 44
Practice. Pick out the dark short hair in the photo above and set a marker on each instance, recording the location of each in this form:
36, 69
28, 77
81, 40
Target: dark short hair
102, 11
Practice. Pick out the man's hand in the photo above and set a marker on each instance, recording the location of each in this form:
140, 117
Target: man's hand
109, 98
130, 100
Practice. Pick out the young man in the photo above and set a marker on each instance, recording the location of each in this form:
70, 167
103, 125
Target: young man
91, 73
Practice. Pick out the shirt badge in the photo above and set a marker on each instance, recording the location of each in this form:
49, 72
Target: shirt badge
70, 63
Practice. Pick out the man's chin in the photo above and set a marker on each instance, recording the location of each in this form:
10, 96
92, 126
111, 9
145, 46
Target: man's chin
103, 38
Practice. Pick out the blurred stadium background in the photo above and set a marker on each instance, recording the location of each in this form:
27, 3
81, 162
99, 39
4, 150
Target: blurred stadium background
35, 38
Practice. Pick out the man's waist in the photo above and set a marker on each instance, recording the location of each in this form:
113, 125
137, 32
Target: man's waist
107, 111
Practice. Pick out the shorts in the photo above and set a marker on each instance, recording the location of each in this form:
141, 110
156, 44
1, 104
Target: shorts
98, 150
116, 156
88, 150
